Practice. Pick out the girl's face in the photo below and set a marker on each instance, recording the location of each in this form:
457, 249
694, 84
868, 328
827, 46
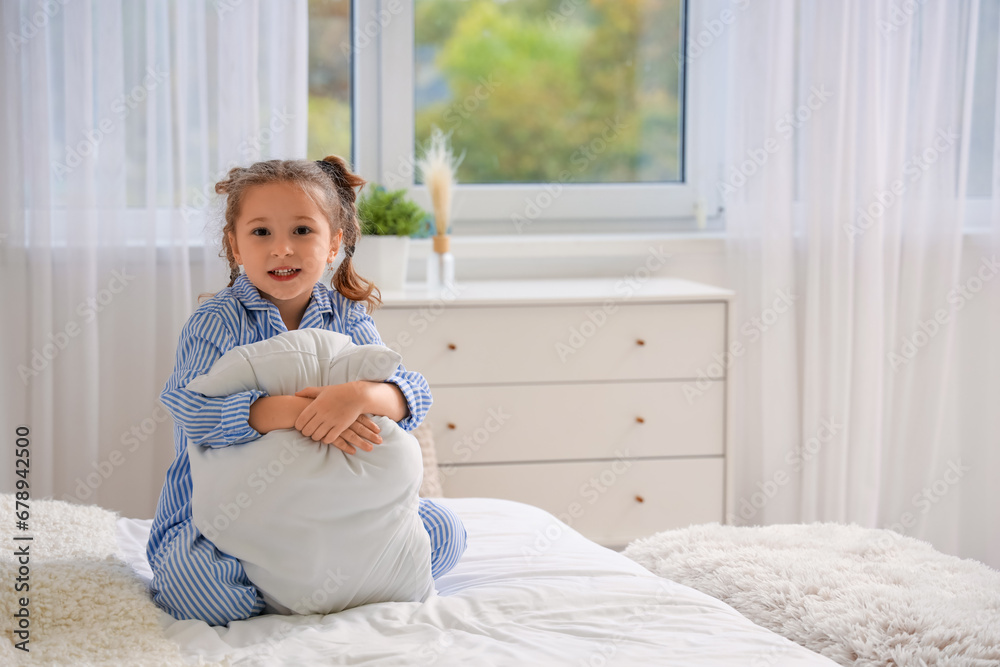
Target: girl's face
280, 227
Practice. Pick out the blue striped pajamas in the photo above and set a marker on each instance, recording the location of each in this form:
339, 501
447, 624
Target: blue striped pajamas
191, 577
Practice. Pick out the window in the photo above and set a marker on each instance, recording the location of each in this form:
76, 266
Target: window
574, 115
569, 92
329, 79
980, 185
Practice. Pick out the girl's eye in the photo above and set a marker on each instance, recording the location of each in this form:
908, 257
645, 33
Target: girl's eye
264, 231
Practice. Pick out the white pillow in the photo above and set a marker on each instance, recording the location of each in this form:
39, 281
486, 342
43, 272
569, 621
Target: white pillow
316, 530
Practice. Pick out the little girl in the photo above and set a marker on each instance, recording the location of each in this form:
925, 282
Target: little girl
284, 222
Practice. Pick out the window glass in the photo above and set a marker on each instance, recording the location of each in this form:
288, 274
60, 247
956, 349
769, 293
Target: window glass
536, 91
330, 53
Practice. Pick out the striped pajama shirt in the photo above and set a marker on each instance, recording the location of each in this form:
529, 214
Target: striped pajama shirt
191, 577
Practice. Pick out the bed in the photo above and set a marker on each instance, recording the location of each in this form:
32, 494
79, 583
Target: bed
529, 591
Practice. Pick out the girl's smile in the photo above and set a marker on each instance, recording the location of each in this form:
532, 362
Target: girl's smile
284, 273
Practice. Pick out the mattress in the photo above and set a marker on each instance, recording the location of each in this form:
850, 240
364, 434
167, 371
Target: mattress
529, 591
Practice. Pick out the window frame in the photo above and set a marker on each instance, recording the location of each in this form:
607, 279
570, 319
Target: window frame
384, 138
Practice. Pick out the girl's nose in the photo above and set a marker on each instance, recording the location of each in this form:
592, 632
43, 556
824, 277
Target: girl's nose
281, 248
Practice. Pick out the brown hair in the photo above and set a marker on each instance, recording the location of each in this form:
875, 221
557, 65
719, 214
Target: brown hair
330, 183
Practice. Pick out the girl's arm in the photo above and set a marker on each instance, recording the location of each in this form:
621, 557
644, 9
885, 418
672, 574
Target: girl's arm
416, 393
377, 398
271, 413
276, 412
337, 413
281, 412
384, 398
209, 422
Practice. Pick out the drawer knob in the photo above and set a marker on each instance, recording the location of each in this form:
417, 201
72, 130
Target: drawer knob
640, 420
640, 341
451, 426
451, 346
640, 499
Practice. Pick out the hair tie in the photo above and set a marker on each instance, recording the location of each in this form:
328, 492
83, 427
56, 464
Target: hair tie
331, 170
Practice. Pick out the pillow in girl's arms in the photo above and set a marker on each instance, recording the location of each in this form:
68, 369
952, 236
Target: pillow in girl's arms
316, 530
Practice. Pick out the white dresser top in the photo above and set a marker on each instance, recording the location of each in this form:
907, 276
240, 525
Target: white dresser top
540, 292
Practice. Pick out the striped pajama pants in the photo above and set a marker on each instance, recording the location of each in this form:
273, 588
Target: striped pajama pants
193, 579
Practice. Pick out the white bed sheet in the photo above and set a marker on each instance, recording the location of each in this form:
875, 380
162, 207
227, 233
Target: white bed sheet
529, 591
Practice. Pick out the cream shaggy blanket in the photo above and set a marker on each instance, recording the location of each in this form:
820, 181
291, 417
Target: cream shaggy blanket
85, 605
857, 596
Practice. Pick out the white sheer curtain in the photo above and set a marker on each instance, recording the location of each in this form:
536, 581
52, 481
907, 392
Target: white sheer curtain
848, 137
118, 118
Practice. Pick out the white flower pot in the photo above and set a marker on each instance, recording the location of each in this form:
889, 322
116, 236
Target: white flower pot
383, 260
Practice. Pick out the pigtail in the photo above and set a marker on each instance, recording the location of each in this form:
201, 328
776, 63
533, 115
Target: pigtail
346, 280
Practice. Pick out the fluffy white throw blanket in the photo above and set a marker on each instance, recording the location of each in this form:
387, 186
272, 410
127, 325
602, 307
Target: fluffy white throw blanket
858, 596
85, 605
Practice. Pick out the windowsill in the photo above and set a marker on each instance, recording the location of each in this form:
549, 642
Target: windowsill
575, 245
596, 245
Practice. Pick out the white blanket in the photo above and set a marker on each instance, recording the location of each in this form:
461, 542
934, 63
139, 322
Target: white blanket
860, 596
529, 591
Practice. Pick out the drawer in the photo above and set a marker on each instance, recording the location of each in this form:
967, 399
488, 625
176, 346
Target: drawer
505, 423
518, 344
599, 499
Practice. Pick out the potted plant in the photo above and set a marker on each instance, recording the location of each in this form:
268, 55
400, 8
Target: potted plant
388, 219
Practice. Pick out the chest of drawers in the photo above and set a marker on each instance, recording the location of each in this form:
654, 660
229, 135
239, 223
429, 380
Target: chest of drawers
600, 401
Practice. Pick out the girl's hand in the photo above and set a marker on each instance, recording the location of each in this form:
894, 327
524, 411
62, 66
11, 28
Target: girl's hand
335, 417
